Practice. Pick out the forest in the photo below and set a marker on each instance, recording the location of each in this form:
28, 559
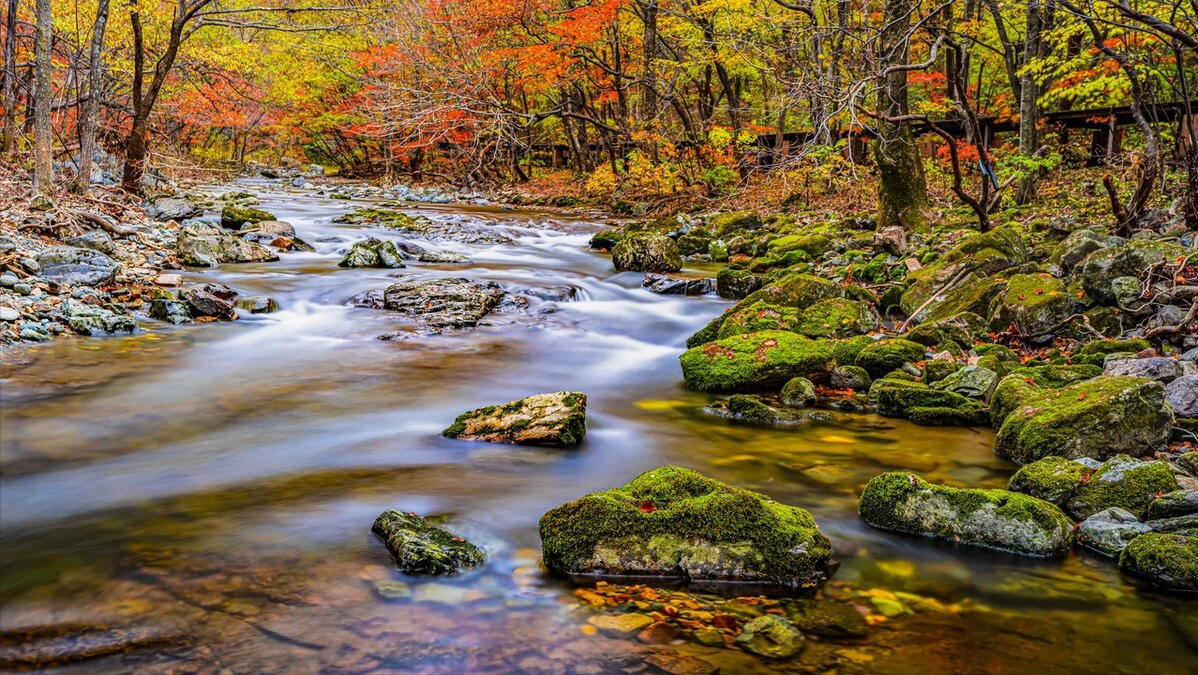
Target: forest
599, 337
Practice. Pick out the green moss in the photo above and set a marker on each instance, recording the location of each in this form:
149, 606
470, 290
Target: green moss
1025, 383
797, 290
1124, 482
1094, 353
813, 245
708, 333
964, 328
923, 405
978, 257
799, 392
735, 284
236, 216
757, 317
1035, 303
846, 351
607, 239
1168, 560
883, 356
936, 370
755, 362
419, 548
1053, 479
968, 416
838, 317
993, 518
779, 543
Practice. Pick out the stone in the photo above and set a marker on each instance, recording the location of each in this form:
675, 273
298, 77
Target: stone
923, 405
971, 262
1036, 304
1121, 481
676, 284
209, 248
1163, 369
646, 252
620, 625
1095, 418
1182, 395
1110, 531
755, 362
1172, 505
734, 284
167, 279
676, 523
1022, 384
96, 240
9, 314
1053, 479
799, 392
203, 303
372, 253
971, 381
827, 618
999, 519
443, 303
443, 257
756, 317
542, 419
838, 318
77, 266
752, 409
772, 637
1167, 560
849, 377
257, 304
234, 217
171, 311
87, 319
220, 290
420, 548
884, 356
171, 208
393, 590
267, 230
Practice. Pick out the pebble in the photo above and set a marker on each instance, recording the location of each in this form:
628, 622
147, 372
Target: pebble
9, 314
8, 280
30, 265
23, 288
620, 625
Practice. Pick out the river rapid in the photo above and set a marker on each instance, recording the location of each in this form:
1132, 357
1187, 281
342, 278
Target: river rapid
199, 499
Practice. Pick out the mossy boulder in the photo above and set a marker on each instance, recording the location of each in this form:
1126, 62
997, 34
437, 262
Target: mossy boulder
674, 522
799, 392
1025, 383
963, 328
997, 519
646, 252
1123, 482
971, 381
838, 318
1110, 531
972, 261
734, 284
935, 370
1053, 479
1173, 505
757, 317
1074, 248
846, 351
923, 405
1035, 304
772, 637
420, 548
734, 223
796, 290
708, 333
755, 362
372, 253
814, 245
1096, 418
1167, 560
605, 240
751, 409
883, 356
542, 419
1100, 270
233, 217
1095, 353
849, 377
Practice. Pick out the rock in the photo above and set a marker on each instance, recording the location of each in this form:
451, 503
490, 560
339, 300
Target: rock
234, 217
372, 253
838, 318
96, 240
443, 303
9, 314
220, 290
1095, 418
420, 548
971, 381
673, 522
1121, 481
827, 618
257, 304
754, 318
1035, 303
1025, 383
675, 664
204, 248
393, 590
77, 266
1095, 353
734, 222
620, 625
167, 279
1172, 505
541, 419
884, 356
849, 377
1053, 479
799, 392
772, 637
674, 284
267, 230
963, 328
972, 261
799, 291
1110, 531
752, 409
1167, 560
1163, 369
171, 208
997, 519
203, 303
646, 252
87, 319
172, 311
923, 405
734, 284
444, 257
1182, 395
1080, 244
755, 362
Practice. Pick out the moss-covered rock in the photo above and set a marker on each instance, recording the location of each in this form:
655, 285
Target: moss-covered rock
935, 370
751, 409
1101, 268
1110, 531
734, 223
674, 522
997, 519
1053, 479
814, 245
923, 405
1025, 383
1173, 505
849, 377
772, 637
976, 258
799, 392
646, 252
233, 217
755, 362
796, 290
883, 356
420, 548
757, 317
963, 328
1035, 304
838, 318
542, 419
734, 284
606, 240
1096, 418
1167, 560
971, 381
1095, 353
846, 351
372, 253
1123, 482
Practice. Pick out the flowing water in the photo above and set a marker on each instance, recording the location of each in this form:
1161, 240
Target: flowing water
199, 499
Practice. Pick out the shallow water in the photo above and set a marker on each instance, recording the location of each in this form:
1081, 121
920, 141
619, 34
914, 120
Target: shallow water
201, 497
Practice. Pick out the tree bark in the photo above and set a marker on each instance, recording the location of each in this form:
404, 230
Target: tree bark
10, 79
1029, 92
902, 187
91, 110
649, 101
43, 168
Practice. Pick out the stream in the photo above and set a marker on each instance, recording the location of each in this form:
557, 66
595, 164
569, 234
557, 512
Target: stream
198, 499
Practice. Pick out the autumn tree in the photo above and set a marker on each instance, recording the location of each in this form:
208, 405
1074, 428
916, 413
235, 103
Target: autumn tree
902, 187
43, 167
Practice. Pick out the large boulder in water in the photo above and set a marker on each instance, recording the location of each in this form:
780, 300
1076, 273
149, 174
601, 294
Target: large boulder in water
208, 248
1036, 304
77, 266
420, 548
1053, 479
541, 419
1167, 560
1110, 531
997, 519
674, 522
372, 253
233, 217
444, 303
1096, 418
755, 362
1123, 482
646, 252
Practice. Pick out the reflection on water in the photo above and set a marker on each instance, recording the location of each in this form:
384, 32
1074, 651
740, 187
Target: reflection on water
199, 499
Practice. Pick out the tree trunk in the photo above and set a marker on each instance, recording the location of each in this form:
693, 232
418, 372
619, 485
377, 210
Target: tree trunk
649, 90
91, 111
10, 79
43, 168
902, 188
1029, 109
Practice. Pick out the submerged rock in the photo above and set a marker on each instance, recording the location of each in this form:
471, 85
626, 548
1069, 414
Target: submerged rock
923, 405
1121, 481
1167, 560
997, 519
444, 303
234, 217
755, 362
1110, 531
541, 419
772, 637
673, 522
746, 408
87, 319
420, 548
646, 252
208, 248
257, 304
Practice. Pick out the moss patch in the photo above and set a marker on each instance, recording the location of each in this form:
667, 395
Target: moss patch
1053, 479
883, 356
1168, 560
755, 362
420, 548
1124, 482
